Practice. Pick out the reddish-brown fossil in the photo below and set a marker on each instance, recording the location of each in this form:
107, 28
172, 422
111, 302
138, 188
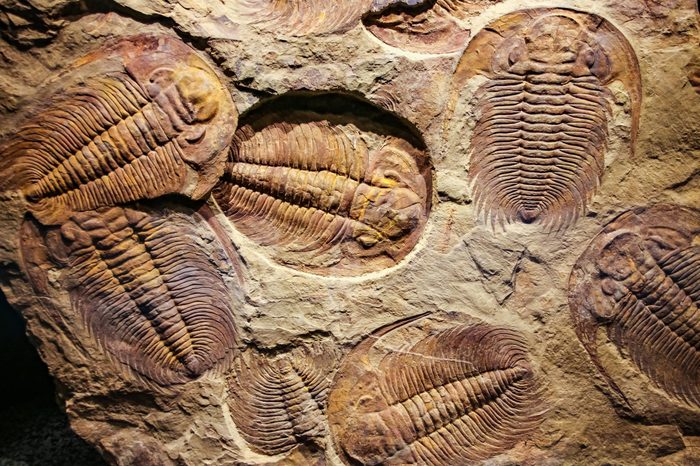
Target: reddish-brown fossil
423, 26
640, 280
537, 150
457, 396
326, 188
279, 403
147, 289
145, 117
301, 17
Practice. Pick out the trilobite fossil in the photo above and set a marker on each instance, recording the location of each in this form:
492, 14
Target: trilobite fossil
301, 17
640, 280
144, 117
148, 290
537, 151
279, 402
323, 187
422, 26
458, 395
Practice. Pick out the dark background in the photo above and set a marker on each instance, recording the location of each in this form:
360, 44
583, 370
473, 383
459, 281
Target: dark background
33, 429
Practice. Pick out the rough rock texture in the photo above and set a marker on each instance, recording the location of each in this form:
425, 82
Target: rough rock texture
358, 232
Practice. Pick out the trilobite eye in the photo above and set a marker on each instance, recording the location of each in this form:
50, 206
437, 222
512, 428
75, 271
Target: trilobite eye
390, 179
157, 80
600, 67
513, 57
659, 247
195, 136
365, 401
367, 239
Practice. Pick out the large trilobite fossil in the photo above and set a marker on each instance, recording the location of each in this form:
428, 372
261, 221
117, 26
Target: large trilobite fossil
537, 151
456, 396
146, 285
329, 183
279, 402
640, 280
142, 117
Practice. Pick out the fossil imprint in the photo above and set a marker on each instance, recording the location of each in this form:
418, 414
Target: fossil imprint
422, 26
640, 280
147, 291
457, 396
147, 118
278, 403
537, 152
309, 184
301, 17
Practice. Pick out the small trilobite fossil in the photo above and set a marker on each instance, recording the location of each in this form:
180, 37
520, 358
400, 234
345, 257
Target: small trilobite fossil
640, 280
148, 291
324, 188
537, 152
459, 395
301, 17
422, 26
145, 117
278, 403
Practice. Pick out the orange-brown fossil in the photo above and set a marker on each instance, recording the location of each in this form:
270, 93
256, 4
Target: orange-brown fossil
537, 150
427, 26
457, 396
147, 291
279, 403
301, 17
145, 117
325, 188
640, 280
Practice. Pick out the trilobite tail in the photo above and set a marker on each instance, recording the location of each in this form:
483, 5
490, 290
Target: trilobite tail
301, 228
537, 148
301, 404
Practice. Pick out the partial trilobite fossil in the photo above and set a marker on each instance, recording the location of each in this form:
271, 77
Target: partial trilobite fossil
423, 26
301, 17
457, 396
279, 402
145, 117
640, 280
537, 152
327, 181
148, 290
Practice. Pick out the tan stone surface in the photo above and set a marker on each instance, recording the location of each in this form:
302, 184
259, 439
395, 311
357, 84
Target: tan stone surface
461, 271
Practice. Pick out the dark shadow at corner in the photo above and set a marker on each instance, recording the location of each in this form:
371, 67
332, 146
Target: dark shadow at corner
33, 429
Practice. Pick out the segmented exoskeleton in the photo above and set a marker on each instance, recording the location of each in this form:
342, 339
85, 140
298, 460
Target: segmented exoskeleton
301, 17
146, 129
423, 26
149, 293
459, 395
306, 184
278, 403
645, 289
537, 151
